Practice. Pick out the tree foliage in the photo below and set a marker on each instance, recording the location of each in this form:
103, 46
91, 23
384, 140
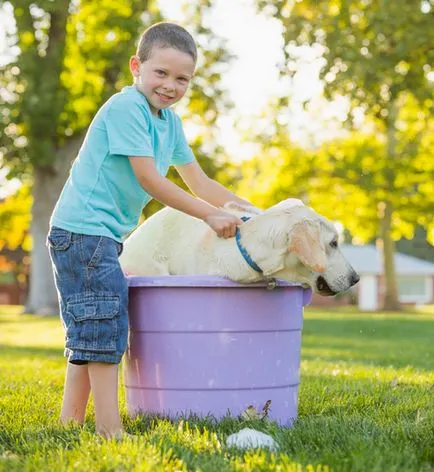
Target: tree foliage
71, 57
354, 175
280, 170
15, 241
15, 220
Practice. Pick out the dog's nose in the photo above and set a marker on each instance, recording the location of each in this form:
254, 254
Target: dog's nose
354, 278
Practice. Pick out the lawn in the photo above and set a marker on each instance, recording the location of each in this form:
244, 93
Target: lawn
366, 404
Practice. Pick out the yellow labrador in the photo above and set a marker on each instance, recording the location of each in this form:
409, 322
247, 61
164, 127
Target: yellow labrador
287, 241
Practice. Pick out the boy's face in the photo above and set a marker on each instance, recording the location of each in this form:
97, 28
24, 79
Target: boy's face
164, 77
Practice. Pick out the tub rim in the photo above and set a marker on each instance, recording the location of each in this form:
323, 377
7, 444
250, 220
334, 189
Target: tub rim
209, 281
199, 281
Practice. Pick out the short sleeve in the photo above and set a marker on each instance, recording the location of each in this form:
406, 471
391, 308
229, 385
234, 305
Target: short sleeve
182, 153
127, 124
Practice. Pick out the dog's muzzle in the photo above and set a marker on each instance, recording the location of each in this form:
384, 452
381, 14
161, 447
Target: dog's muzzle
323, 287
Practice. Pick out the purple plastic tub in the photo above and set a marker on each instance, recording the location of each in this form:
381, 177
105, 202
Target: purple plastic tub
209, 346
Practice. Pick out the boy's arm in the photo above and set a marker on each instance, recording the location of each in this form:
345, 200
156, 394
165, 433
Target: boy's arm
166, 192
206, 188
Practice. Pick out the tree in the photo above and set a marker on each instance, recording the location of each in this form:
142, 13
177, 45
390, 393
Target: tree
379, 55
66, 59
353, 179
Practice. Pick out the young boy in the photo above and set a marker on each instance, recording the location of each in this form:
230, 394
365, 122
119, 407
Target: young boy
122, 164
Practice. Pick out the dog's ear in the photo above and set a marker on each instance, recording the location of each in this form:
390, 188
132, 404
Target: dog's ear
305, 243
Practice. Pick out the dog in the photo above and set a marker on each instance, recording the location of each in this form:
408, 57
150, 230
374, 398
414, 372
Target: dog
288, 241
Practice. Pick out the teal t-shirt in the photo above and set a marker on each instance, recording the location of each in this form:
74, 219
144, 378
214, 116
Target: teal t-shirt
102, 196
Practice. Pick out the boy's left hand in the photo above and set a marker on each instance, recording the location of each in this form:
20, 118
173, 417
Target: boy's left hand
224, 224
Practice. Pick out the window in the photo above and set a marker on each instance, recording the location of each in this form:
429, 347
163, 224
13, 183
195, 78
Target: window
415, 289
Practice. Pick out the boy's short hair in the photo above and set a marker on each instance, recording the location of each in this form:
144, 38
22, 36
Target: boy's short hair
166, 35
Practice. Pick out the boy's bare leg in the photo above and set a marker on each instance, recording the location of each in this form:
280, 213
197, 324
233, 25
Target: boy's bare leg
76, 394
104, 385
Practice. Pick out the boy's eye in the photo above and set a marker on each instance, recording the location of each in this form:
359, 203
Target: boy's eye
160, 72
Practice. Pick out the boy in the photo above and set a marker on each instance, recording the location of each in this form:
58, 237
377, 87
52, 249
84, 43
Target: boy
122, 164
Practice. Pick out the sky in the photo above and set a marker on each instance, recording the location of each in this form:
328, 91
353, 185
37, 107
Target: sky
253, 78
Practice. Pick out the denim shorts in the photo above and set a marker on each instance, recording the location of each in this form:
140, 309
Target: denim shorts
93, 295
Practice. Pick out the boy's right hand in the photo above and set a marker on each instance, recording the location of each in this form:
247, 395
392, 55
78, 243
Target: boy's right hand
224, 224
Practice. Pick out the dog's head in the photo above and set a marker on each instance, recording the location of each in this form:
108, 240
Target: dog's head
298, 245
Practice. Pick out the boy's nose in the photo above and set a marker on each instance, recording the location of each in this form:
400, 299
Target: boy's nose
169, 85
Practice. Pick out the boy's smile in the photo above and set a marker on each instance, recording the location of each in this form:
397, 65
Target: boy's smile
164, 77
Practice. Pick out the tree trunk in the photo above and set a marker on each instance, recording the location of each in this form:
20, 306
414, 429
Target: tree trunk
391, 302
47, 185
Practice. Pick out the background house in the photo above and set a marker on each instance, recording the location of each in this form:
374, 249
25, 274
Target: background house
415, 278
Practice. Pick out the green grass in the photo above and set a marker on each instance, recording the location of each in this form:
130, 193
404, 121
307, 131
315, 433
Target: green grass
366, 404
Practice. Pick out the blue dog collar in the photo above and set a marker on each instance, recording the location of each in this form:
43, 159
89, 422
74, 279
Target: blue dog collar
243, 250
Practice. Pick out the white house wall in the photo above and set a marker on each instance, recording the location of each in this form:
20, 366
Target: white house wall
368, 293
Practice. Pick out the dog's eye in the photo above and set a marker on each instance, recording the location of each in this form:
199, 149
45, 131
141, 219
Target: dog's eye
334, 244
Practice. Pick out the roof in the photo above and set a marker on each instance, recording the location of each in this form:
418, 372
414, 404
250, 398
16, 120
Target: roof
367, 260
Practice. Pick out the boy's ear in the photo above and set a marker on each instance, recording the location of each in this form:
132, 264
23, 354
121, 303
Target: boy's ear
305, 243
135, 66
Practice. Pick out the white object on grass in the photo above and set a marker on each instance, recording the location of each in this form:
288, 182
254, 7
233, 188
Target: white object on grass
250, 438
